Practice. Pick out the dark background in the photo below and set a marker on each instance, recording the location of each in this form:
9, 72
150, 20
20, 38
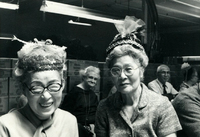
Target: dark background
179, 33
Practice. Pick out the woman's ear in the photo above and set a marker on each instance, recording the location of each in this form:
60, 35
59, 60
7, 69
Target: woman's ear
63, 84
141, 72
23, 89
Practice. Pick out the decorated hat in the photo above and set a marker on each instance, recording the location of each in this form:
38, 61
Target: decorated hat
39, 56
185, 66
128, 30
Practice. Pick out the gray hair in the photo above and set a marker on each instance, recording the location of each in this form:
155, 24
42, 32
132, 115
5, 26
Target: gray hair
159, 68
84, 73
120, 51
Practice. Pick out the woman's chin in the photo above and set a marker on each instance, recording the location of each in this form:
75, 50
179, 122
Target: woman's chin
45, 113
44, 116
125, 90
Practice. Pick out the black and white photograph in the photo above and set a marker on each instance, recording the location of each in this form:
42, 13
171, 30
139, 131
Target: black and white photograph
99, 68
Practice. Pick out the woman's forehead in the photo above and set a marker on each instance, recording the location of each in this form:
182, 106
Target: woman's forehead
91, 73
125, 61
49, 75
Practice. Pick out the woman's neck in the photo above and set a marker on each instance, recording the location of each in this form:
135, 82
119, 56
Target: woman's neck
83, 86
190, 83
132, 98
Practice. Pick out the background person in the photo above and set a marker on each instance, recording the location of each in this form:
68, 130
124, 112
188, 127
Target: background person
39, 71
190, 76
187, 106
133, 110
82, 102
161, 84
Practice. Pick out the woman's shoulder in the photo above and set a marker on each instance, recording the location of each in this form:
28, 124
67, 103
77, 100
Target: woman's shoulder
75, 89
62, 113
62, 116
111, 102
154, 97
188, 94
12, 117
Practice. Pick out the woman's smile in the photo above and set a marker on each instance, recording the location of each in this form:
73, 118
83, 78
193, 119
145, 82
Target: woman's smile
123, 84
46, 105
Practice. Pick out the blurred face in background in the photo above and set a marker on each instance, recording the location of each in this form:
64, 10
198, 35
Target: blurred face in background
90, 79
195, 77
163, 74
45, 103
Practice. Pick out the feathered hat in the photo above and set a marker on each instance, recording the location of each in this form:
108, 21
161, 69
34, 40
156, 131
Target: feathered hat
128, 29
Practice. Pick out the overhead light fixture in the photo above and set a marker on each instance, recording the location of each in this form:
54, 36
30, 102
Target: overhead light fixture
79, 23
65, 9
5, 5
191, 58
178, 11
6, 38
187, 4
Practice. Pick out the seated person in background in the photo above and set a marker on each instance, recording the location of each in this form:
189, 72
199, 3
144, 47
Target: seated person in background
133, 111
39, 71
190, 76
161, 84
187, 106
82, 102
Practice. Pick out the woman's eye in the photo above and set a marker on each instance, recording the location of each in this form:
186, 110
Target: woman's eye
129, 69
54, 87
37, 88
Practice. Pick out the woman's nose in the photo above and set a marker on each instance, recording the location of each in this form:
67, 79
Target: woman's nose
46, 94
122, 75
94, 79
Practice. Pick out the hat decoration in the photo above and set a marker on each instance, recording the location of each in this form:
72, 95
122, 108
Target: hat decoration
185, 66
40, 56
128, 29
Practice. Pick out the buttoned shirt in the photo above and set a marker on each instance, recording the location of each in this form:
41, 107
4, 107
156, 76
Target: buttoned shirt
157, 86
154, 117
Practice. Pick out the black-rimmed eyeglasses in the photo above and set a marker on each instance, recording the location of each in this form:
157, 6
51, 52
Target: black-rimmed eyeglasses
37, 90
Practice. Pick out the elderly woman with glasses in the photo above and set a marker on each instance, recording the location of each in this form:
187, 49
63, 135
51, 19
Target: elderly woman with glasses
39, 71
133, 110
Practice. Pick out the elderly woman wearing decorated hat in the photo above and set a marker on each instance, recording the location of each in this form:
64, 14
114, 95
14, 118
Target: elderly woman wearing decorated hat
133, 110
39, 71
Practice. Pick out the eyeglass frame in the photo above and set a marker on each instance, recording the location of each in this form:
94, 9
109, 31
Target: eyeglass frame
123, 69
30, 89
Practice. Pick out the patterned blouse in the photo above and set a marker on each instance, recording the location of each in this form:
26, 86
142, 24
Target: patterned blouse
154, 117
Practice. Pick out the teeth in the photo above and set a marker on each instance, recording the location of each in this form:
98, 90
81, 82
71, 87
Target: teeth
46, 105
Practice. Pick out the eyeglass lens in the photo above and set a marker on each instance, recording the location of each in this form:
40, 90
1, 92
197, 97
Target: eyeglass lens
116, 71
55, 87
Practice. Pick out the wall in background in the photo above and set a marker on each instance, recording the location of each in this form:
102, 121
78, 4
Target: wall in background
93, 40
